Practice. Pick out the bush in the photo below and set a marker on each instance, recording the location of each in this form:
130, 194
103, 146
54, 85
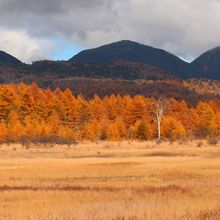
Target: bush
8, 140
45, 141
158, 142
25, 142
213, 141
199, 144
183, 141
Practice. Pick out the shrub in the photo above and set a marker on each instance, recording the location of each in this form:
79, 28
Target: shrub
45, 141
158, 142
8, 140
25, 142
199, 144
213, 141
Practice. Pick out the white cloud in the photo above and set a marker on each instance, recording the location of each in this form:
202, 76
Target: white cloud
25, 48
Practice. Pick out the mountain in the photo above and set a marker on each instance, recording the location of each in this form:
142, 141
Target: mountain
129, 51
123, 67
7, 59
209, 64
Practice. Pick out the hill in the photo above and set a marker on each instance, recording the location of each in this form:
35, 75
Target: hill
7, 59
209, 64
129, 51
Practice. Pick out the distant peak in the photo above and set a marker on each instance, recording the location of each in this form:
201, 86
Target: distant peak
123, 43
215, 49
127, 42
6, 58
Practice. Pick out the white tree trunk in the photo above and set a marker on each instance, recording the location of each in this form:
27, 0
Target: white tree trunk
159, 111
158, 130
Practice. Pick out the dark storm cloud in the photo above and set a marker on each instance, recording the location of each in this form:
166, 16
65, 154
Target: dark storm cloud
49, 17
46, 7
184, 27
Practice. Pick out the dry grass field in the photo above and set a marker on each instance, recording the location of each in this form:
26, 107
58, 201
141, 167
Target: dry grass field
110, 181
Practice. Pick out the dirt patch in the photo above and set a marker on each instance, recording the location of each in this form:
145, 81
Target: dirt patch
165, 189
162, 154
147, 189
55, 188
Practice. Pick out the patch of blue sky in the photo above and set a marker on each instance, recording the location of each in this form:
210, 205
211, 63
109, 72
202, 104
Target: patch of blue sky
64, 49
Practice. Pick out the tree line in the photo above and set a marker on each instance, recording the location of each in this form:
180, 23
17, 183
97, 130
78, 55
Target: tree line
27, 110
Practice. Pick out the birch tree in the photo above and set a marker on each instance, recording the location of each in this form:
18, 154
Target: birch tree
158, 111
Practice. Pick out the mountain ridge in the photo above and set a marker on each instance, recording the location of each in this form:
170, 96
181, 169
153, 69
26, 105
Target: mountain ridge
126, 50
118, 60
209, 63
7, 59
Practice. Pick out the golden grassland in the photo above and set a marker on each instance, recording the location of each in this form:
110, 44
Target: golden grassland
105, 180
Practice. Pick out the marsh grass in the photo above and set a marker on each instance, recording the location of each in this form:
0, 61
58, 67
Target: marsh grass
127, 181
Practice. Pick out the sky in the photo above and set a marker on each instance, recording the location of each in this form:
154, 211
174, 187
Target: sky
58, 29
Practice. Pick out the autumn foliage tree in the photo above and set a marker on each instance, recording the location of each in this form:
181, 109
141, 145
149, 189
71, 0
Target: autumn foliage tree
206, 121
27, 110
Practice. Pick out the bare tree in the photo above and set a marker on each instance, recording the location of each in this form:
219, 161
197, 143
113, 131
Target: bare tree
158, 111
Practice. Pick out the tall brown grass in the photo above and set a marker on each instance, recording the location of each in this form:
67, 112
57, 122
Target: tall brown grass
124, 181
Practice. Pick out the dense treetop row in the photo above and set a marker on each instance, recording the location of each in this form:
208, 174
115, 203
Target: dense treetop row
27, 110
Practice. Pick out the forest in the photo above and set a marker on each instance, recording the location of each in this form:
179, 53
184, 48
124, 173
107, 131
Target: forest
29, 111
